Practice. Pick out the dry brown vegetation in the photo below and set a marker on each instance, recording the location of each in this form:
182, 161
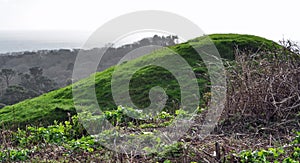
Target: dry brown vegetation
264, 91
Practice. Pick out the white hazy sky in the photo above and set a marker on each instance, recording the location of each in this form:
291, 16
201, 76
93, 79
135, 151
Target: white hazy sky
273, 19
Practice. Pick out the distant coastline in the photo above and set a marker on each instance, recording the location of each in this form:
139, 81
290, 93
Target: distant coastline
11, 47
17, 42
20, 41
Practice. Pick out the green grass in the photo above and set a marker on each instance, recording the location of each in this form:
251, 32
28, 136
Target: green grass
226, 42
57, 104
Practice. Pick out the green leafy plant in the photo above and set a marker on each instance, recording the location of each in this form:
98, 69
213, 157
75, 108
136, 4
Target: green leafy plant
14, 155
279, 154
85, 143
57, 133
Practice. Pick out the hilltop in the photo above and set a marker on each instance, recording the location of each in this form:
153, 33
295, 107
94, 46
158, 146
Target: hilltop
56, 104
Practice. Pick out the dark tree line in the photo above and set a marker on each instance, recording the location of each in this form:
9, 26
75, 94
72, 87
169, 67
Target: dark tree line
30, 85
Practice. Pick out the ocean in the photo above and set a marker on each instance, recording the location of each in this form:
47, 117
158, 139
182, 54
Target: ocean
17, 41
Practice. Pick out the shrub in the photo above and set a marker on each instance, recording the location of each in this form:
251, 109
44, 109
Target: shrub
263, 87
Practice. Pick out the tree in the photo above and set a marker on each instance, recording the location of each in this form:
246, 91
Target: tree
70, 66
14, 94
35, 81
1, 87
7, 75
145, 42
44, 84
36, 71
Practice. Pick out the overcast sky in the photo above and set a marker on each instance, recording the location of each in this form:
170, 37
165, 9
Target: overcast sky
271, 19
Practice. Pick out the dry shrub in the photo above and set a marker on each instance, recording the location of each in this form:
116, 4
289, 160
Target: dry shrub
263, 90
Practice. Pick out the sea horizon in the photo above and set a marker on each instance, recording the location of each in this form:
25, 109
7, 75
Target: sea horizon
21, 41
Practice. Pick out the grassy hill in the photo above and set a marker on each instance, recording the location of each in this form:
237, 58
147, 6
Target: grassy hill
57, 104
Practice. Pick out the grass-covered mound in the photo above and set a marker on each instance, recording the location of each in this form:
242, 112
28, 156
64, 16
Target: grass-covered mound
57, 104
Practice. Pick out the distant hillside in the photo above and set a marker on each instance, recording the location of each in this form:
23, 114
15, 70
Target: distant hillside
57, 66
55, 105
